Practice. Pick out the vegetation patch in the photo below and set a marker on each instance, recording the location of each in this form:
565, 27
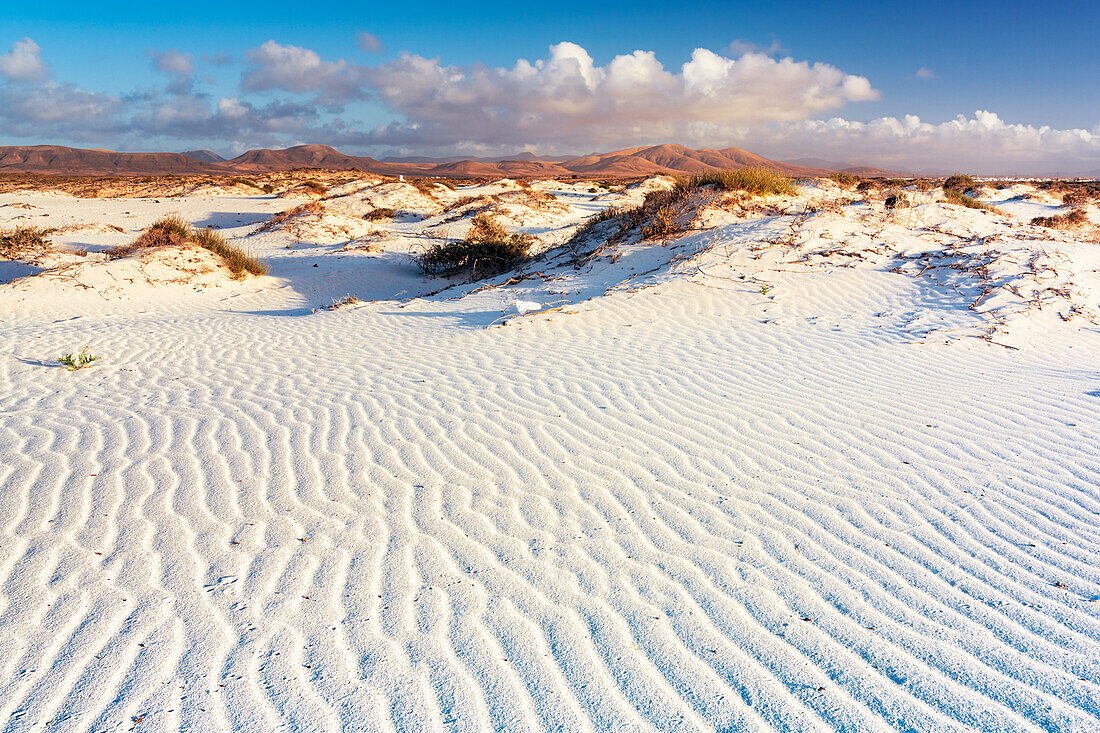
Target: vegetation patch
488, 249
954, 196
23, 241
757, 181
1072, 220
380, 213
959, 183
844, 179
312, 207
173, 230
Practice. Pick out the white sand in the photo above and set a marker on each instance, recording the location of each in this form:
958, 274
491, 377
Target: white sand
676, 503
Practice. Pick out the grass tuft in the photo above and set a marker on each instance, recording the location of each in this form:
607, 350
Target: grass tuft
757, 181
173, 230
22, 241
954, 196
844, 179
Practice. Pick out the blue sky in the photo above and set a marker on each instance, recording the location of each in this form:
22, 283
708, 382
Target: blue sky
833, 80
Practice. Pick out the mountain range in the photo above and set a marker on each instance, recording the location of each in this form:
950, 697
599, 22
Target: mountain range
641, 161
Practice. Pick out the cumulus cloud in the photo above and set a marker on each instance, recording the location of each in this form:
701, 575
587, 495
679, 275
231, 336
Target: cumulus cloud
925, 73
568, 98
368, 42
172, 61
983, 143
275, 67
24, 62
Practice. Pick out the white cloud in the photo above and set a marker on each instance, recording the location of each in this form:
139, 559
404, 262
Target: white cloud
925, 73
983, 143
173, 62
740, 47
24, 62
567, 98
296, 69
368, 42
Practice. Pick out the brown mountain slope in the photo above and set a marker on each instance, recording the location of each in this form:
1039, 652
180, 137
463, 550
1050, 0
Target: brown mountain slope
80, 162
639, 161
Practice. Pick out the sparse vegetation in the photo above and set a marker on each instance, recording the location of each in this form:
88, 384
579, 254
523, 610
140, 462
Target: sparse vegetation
346, 302
22, 241
379, 213
844, 179
312, 207
757, 181
1071, 220
246, 182
954, 196
173, 230
80, 360
315, 186
487, 249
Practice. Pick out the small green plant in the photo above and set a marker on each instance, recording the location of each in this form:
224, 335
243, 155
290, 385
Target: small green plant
764, 288
80, 360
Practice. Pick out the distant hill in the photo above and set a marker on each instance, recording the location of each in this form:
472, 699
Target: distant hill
206, 156
640, 161
80, 162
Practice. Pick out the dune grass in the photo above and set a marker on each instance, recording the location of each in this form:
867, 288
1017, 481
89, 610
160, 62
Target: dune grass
24, 240
957, 197
79, 360
173, 230
757, 181
487, 250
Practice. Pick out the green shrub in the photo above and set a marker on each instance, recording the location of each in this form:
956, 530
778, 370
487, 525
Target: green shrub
958, 182
487, 249
379, 213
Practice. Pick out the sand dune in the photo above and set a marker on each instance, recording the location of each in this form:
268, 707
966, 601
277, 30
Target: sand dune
681, 501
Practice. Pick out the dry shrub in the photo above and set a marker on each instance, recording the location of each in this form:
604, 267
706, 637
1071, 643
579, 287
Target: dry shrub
23, 241
311, 207
173, 230
315, 186
460, 202
1072, 220
844, 179
487, 250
